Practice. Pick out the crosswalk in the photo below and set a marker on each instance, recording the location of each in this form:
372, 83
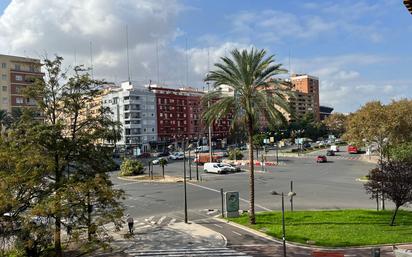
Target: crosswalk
195, 252
157, 221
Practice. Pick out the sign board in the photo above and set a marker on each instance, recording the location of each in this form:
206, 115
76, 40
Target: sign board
272, 139
266, 141
232, 204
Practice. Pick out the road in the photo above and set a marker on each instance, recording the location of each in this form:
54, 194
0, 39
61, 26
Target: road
329, 185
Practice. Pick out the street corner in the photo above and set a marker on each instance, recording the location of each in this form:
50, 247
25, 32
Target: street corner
201, 236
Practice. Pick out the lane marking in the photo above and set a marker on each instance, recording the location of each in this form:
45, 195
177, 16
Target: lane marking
161, 220
172, 222
236, 233
217, 225
240, 198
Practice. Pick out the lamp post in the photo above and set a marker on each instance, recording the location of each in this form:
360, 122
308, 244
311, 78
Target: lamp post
291, 194
184, 179
189, 147
283, 221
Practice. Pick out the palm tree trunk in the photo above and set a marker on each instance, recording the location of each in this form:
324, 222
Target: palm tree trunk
252, 218
394, 215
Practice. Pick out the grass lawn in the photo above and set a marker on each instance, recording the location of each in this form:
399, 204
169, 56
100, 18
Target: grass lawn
335, 228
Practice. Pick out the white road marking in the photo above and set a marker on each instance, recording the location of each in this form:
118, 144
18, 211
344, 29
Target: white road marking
217, 225
161, 220
217, 191
172, 222
237, 233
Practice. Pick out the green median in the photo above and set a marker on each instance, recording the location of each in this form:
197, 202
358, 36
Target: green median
338, 228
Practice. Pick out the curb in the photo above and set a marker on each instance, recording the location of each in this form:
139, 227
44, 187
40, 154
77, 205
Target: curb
304, 246
156, 181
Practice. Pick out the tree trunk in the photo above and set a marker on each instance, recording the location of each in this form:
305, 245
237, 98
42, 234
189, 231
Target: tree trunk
89, 218
252, 217
163, 171
394, 215
57, 228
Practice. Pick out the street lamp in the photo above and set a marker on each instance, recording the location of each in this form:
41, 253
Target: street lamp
283, 221
189, 147
291, 194
184, 179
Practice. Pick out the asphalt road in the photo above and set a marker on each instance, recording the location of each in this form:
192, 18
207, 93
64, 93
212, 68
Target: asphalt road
329, 185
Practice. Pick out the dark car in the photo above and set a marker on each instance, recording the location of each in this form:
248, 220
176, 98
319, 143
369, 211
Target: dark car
330, 153
164, 154
321, 158
144, 155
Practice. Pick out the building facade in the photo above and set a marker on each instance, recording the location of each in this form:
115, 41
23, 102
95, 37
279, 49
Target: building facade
134, 108
309, 85
325, 111
17, 73
179, 116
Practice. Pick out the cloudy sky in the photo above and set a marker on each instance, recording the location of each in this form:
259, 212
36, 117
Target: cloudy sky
360, 49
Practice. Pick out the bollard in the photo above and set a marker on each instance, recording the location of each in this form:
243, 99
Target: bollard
376, 252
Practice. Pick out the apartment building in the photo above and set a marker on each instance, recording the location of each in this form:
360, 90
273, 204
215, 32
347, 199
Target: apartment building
135, 108
309, 86
17, 73
179, 116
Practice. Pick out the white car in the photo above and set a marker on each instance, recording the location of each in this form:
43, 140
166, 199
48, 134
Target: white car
215, 167
334, 148
176, 156
156, 161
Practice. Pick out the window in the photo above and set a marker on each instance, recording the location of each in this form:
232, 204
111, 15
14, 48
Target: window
17, 67
19, 100
31, 68
19, 78
4, 88
4, 65
5, 100
4, 77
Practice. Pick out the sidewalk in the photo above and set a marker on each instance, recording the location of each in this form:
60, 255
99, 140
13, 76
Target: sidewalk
175, 236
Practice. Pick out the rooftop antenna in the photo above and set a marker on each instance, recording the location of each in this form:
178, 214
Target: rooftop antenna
157, 62
127, 53
75, 57
208, 66
91, 59
290, 72
187, 66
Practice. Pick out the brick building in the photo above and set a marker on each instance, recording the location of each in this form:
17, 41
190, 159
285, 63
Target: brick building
16, 74
309, 86
179, 116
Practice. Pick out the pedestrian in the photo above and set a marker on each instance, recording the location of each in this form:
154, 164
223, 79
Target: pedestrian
130, 223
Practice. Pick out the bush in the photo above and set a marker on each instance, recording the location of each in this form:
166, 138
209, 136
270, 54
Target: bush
131, 168
235, 154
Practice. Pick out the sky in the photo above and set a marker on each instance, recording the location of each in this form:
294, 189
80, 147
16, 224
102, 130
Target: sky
361, 50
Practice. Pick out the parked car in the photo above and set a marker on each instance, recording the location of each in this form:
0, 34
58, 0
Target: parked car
353, 149
176, 156
334, 148
163, 154
202, 149
144, 155
330, 153
215, 167
156, 161
321, 158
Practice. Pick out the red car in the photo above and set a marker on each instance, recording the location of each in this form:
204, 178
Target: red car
321, 158
352, 149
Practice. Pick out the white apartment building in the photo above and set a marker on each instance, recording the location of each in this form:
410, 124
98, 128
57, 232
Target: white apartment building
135, 108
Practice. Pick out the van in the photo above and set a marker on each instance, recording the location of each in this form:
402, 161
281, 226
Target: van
215, 167
334, 148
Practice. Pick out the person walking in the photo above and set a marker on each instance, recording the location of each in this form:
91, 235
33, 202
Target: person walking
130, 223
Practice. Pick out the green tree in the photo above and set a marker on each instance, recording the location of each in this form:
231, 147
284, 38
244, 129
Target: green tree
401, 152
335, 124
247, 73
131, 168
394, 179
70, 139
235, 154
163, 163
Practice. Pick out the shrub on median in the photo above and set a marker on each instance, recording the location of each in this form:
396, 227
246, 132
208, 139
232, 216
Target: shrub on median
131, 168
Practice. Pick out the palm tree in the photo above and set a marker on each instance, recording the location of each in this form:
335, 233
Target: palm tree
250, 73
163, 163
